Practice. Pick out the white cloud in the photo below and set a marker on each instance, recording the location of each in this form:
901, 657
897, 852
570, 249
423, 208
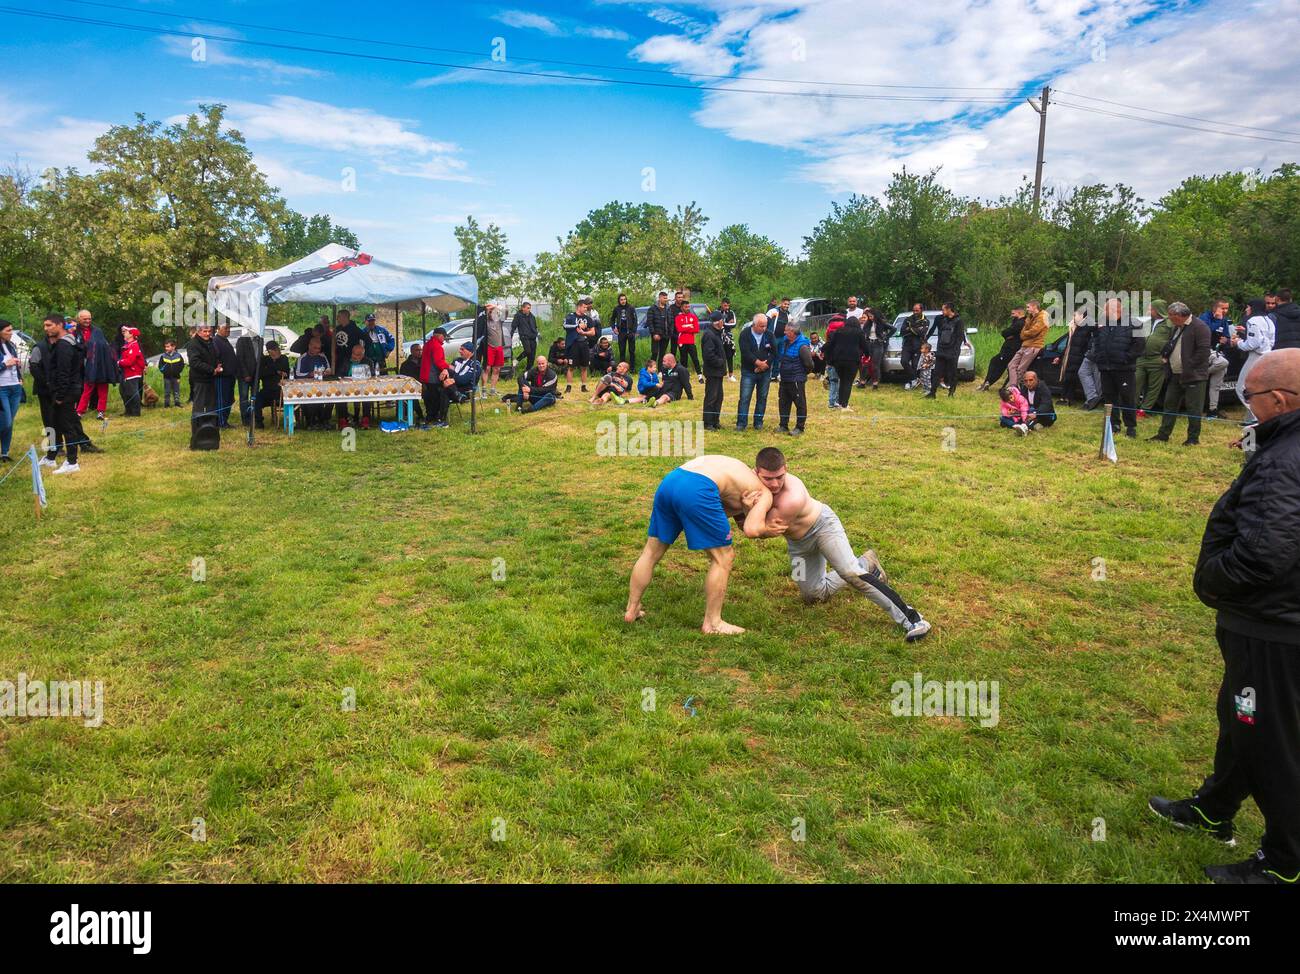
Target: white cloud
207, 51
387, 142
523, 20
36, 141
1127, 50
295, 182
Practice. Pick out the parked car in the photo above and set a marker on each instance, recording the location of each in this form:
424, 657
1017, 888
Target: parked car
894, 351
24, 343
284, 337
812, 314
459, 331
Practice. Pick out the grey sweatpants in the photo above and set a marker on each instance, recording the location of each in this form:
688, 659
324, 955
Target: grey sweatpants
825, 545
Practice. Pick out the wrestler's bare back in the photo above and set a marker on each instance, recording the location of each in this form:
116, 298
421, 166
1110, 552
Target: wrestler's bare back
734, 479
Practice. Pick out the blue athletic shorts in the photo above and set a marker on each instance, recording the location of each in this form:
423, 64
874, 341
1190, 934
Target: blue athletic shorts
689, 501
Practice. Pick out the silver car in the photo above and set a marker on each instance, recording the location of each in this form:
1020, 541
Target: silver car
894, 353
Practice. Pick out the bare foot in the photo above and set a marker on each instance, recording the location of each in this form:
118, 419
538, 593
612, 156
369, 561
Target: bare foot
721, 628
632, 615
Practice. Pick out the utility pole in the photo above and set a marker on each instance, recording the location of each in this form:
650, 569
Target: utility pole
1041, 109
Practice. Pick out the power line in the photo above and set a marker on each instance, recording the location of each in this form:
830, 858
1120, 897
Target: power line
1193, 118
584, 79
1179, 125
450, 50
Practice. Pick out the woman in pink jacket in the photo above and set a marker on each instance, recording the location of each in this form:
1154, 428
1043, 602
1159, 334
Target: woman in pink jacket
1015, 409
133, 366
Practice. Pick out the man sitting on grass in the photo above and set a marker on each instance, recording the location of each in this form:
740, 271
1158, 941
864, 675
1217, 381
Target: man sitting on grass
615, 385
536, 387
1042, 412
675, 380
814, 538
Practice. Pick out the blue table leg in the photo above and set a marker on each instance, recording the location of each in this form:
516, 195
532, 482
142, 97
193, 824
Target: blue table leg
288, 417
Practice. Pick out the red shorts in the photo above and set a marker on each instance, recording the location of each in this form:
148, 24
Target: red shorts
496, 355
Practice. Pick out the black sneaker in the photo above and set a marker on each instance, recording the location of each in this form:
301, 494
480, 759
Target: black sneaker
1254, 871
91, 448
1185, 815
1157, 439
1191, 442
1131, 433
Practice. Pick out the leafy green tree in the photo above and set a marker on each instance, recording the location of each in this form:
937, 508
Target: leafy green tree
299, 235
485, 253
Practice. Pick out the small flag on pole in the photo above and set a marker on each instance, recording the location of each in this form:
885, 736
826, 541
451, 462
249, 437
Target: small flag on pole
1107, 451
38, 484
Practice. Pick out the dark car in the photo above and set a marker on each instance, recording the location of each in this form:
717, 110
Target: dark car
643, 330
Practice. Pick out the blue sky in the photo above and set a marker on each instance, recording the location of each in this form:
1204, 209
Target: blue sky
429, 144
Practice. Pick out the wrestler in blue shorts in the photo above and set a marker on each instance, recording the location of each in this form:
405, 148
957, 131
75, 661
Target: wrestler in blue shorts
690, 502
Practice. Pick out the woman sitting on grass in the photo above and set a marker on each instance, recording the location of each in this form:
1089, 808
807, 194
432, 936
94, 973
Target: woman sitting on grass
1015, 409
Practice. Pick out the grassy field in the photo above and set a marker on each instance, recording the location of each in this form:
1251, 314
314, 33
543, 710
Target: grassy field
515, 703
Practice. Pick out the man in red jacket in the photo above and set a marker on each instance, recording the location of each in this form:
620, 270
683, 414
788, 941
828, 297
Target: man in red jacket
434, 371
687, 324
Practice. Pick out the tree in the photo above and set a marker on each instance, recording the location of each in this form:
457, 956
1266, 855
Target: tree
299, 235
484, 252
738, 258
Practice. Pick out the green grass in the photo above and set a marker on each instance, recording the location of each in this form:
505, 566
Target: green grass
520, 700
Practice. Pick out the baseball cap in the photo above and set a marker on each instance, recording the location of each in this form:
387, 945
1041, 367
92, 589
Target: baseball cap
467, 346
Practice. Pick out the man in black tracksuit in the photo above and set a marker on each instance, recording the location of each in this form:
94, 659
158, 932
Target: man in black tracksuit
1286, 319
623, 320
1010, 345
658, 319
524, 324
713, 349
42, 364
1249, 571
204, 365
916, 327
947, 350
225, 380
248, 357
1114, 349
64, 365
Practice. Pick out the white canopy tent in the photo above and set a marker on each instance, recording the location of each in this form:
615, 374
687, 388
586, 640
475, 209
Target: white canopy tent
338, 275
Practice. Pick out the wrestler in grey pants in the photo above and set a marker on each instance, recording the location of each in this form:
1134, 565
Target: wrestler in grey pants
826, 543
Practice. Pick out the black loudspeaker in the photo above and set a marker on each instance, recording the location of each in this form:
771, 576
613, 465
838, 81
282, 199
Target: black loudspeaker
205, 432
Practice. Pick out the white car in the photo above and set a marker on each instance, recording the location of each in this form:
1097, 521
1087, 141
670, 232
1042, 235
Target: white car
282, 336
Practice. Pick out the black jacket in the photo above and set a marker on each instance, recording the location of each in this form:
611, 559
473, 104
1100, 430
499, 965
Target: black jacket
539, 383
248, 350
1115, 346
713, 352
36, 361
916, 330
949, 338
273, 371
1011, 337
1249, 565
885, 330
1287, 328
623, 320
754, 347
660, 320
203, 360
524, 324
1040, 399
675, 382
65, 369
846, 345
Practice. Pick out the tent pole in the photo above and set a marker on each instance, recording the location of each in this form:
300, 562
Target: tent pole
473, 402
397, 327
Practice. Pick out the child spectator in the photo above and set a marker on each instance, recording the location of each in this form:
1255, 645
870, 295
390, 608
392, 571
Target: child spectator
648, 382
1015, 409
171, 364
925, 368
131, 362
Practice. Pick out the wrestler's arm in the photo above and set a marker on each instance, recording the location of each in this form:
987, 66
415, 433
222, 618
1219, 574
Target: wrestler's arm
757, 524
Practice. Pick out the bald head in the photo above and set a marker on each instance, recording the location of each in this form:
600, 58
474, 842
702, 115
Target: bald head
1274, 384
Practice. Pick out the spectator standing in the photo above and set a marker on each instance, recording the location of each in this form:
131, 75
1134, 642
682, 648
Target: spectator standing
1151, 363
1248, 571
623, 322
1033, 336
728, 319
11, 387
379, 344
834, 324
1286, 320
132, 364
577, 328
1255, 338
947, 350
1010, 345
1222, 331
494, 329
248, 357
1114, 350
877, 332
205, 371
713, 350
687, 326
844, 350
794, 359
225, 379
916, 329
65, 373
659, 323
100, 366
778, 316
524, 325
434, 371
757, 355
1188, 359
852, 311
171, 364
